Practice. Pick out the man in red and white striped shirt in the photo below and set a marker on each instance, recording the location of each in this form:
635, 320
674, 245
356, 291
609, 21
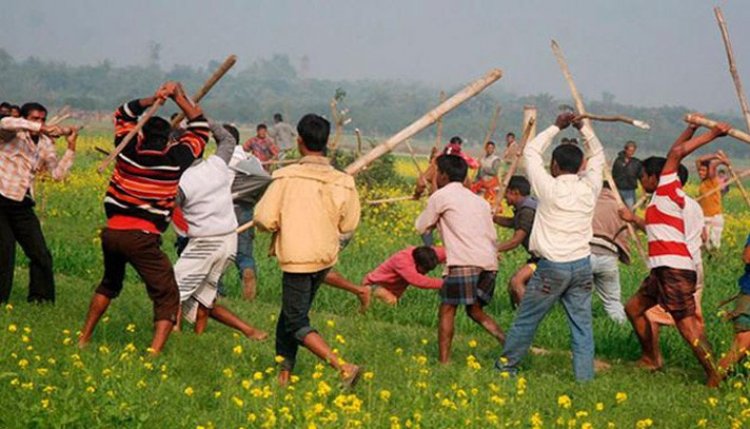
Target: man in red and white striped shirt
672, 279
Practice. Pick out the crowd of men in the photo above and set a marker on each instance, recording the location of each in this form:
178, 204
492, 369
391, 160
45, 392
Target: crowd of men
567, 218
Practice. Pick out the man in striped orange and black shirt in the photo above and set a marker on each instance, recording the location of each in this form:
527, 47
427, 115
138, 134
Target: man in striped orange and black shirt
139, 204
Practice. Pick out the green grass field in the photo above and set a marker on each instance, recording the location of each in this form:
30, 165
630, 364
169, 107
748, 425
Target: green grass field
224, 381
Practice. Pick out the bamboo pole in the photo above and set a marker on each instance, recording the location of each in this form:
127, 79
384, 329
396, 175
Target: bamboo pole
741, 175
710, 123
739, 183
733, 66
391, 200
218, 74
581, 108
359, 142
141, 122
426, 120
337, 123
529, 131
616, 118
493, 125
439, 127
57, 119
414, 157
244, 227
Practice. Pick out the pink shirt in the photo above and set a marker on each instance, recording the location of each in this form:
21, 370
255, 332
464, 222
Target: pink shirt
465, 224
399, 271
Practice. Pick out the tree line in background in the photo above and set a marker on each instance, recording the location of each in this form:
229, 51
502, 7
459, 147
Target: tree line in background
377, 107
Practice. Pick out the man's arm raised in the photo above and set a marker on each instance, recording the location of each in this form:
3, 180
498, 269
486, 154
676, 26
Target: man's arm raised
682, 148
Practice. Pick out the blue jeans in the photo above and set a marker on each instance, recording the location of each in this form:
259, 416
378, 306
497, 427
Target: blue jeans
245, 257
571, 284
628, 197
607, 284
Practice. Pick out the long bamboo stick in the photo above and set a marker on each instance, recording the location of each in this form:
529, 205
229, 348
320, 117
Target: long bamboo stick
529, 119
244, 227
582, 111
336, 118
710, 123
616, 118
414, 157
739, 177
439, 126
733, 66
359, 141
741, 187
58, 118
493, 125
426, 120
391, 200
215, 77
141, 122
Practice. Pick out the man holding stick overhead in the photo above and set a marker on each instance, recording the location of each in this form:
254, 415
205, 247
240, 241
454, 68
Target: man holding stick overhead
711, 204
672, 280
26, 145
560, 237
139, 204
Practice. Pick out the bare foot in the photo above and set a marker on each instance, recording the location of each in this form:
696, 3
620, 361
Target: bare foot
649, 364
258, 335
284, 376
350, 374
364, 299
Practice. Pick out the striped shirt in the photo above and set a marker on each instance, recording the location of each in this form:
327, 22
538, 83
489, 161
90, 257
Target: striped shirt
142, 190
21, 158
665, 226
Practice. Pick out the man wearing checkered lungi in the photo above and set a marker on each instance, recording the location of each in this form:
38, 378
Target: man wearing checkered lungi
464, 221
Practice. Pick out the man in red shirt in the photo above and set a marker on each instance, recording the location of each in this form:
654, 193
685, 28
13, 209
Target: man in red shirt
672, 280
406, 267
261, 145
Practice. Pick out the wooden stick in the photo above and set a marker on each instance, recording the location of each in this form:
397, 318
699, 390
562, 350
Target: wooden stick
426, 120
493, 125
709, 123
141, 122
739, 177
733, 66
218, 74
641, 201
104, 152
391, 200
359, 142
280, 161
616, 118
582, 111
57, 119
414, 157
439, 127
529, 119
244, 227
739, 184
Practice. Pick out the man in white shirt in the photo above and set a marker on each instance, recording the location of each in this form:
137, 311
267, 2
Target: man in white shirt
560, 237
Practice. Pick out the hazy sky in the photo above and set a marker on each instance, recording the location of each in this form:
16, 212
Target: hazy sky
645, 52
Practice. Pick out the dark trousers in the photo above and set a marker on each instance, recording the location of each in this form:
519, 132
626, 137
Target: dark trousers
142, 250
297, 294
19, 224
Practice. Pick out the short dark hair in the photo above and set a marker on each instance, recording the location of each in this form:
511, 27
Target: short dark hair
277, 117
568, 157
425, 257
631, 143
456, 140
653, 165
314, 130
453, 166
261, 127
27, 108
510, 134
156, 132
231, 129
15, 107
5, 105
520, 184
490, 142
706, 164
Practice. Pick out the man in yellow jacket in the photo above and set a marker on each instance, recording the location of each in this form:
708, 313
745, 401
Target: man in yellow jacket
308, 207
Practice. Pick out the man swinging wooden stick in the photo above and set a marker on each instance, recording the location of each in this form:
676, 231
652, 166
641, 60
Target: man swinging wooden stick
139, 204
